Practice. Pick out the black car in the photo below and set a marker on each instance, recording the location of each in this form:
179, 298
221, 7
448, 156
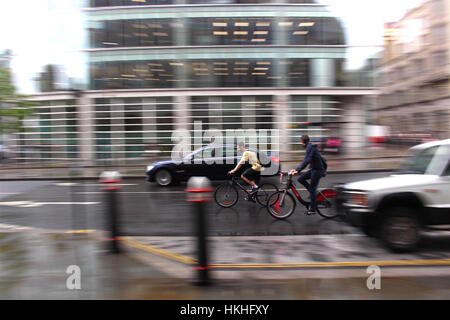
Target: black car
205, 162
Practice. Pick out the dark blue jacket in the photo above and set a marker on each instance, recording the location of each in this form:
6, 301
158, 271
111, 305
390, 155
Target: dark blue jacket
312, 158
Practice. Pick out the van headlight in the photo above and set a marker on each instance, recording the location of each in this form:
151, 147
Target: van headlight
359, 199
150, 168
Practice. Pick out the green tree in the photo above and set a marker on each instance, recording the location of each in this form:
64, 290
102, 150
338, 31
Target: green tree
14, 108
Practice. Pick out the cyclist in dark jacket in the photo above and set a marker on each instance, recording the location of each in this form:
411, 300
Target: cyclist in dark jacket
316, 172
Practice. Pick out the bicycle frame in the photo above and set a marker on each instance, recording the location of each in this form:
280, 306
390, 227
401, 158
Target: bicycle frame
290, 185
234, 181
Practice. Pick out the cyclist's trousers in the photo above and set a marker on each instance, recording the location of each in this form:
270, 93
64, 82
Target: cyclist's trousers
315, 176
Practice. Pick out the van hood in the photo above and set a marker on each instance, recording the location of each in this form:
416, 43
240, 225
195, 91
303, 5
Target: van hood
393, 181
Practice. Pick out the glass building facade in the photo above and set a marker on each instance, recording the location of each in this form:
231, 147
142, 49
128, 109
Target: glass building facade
160, 65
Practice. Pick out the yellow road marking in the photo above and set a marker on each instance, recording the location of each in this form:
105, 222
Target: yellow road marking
80, 231
160, 252
336, 264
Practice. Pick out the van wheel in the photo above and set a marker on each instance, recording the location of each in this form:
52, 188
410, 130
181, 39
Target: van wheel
400, 229
370, 230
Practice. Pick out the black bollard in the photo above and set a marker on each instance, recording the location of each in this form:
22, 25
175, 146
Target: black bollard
199, 193
110, 181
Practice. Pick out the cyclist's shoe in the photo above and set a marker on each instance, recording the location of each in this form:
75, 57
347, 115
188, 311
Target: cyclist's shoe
254, 190
310, 212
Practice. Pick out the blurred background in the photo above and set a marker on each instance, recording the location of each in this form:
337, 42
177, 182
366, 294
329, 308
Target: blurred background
89, 85
109, 80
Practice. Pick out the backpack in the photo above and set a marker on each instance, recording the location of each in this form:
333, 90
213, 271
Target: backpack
266, 163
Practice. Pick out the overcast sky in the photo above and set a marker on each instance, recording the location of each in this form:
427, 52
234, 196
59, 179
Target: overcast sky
41, 32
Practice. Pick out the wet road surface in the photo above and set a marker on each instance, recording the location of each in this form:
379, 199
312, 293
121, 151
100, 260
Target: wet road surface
149, 210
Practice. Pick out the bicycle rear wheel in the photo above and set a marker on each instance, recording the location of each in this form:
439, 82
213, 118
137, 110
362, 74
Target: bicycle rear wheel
281, 205
326, 204
264, 192
226, 195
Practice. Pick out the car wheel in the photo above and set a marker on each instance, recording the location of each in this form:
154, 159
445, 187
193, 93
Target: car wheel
400, 229
163, 177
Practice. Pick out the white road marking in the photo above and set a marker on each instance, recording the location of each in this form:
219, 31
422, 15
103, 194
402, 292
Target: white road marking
33, 204
150, 192
134, 192
13, 227
66, 184
70, 184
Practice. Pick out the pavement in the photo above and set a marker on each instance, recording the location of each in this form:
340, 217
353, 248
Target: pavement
35, 264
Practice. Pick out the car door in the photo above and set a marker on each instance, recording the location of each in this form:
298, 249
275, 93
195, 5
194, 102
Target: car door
224, 160
191, 166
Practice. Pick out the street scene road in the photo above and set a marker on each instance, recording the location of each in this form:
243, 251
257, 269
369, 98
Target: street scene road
149, 210
133, 132
304, 257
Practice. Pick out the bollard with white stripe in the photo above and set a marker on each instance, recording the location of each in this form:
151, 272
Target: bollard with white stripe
199, 192
110, 181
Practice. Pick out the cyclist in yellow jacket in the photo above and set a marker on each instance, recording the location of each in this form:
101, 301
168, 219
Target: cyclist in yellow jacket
251, 175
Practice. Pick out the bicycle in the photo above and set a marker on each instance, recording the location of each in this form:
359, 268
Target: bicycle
227, 195
283, 199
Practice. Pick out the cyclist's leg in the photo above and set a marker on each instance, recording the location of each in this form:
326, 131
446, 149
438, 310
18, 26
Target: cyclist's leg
316, 175
303, 177
247, 181
249, 176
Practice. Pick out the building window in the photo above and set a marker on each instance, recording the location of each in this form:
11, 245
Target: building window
438, 7
230, 31
164, 124
102, 129
204, 74
133, 33
116, 3
439, 34
439, 58
71, 129
313, 31
134, 144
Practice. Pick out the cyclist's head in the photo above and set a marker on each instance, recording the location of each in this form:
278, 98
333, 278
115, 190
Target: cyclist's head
305, 140
241, 146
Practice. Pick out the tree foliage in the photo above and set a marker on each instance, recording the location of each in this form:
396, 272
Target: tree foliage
14, 108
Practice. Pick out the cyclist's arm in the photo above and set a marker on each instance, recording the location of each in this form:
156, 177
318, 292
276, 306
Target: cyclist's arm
243, 160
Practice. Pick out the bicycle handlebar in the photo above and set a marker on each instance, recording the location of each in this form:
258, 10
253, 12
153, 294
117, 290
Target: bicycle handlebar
284, 173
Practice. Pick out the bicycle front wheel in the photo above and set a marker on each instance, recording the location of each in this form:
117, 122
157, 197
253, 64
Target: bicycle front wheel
326, 204
226, 195
264, 192
281, 205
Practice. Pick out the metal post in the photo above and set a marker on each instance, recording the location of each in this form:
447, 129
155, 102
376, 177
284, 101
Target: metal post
199, 192
110, 181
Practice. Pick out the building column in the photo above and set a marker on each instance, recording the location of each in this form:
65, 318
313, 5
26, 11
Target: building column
86, 135
322, 73
182, 112
249, 118
315, 115
117, 131
354, 130
281, 115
